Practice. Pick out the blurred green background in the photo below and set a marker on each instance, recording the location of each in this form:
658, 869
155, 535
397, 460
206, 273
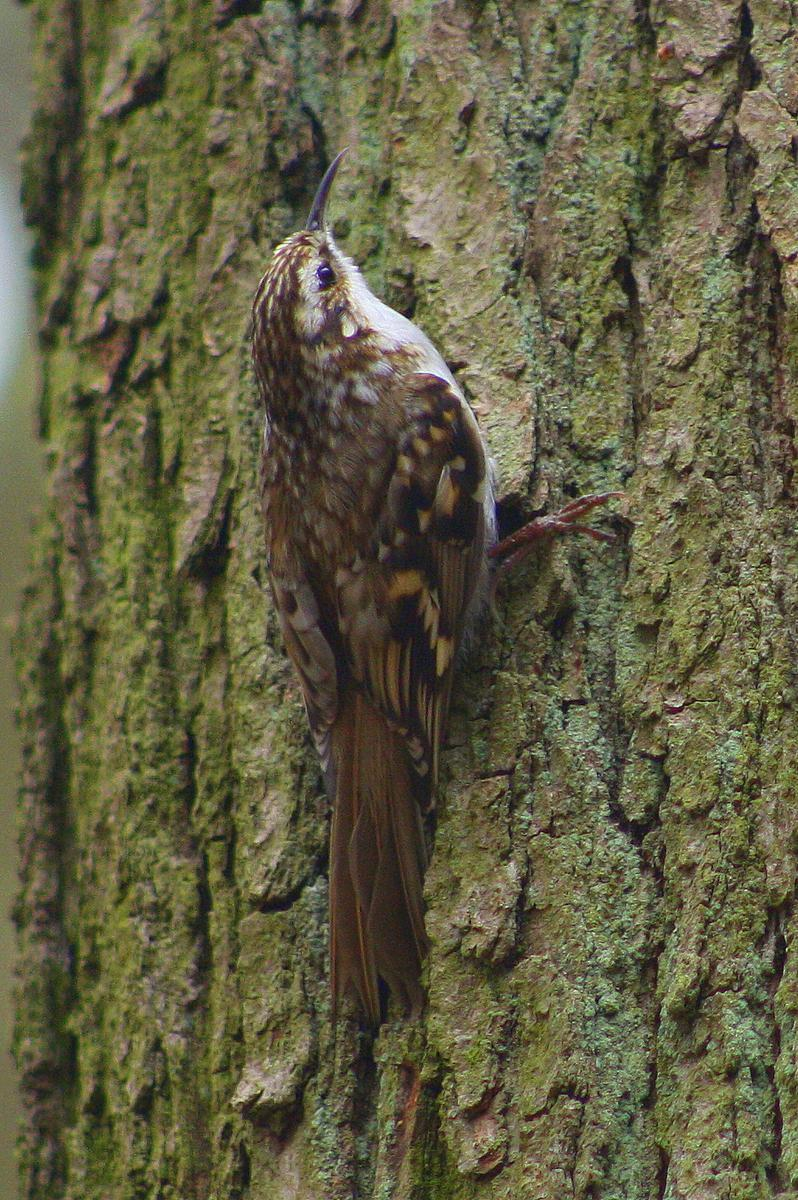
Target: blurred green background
20, 498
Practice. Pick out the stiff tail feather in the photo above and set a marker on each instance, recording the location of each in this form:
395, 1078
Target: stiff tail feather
377, 861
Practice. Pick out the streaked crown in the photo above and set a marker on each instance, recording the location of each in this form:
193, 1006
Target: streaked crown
317, 325
306, 302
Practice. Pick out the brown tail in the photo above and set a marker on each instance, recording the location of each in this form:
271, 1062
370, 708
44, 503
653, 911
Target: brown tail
377, 863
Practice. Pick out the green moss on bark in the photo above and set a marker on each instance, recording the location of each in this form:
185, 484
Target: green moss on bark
591, 208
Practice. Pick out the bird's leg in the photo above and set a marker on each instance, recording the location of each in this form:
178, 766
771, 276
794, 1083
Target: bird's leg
513, 549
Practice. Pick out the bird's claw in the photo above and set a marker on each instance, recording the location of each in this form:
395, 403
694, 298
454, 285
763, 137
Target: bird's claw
512, 549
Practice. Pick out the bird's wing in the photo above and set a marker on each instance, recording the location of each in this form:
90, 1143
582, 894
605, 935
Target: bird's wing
314, 660
401, 612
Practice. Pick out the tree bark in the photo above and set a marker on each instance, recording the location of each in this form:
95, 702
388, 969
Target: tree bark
592, 209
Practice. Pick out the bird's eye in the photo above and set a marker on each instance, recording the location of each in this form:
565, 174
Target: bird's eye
325, 275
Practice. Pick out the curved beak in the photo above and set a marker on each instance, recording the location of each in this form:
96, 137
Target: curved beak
316, 216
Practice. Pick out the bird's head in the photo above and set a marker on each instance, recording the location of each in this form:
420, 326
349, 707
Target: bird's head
312, 296
317, 324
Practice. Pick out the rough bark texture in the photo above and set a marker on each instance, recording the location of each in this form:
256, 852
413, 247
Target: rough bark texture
592, 208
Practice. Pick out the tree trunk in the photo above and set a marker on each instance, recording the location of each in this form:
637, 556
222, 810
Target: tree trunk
591, 208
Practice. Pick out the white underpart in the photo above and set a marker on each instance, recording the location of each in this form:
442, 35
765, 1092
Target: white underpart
394, 329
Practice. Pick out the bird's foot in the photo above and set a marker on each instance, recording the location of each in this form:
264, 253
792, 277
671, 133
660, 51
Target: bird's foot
513, 549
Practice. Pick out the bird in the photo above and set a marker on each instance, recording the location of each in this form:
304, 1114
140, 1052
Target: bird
378, 500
